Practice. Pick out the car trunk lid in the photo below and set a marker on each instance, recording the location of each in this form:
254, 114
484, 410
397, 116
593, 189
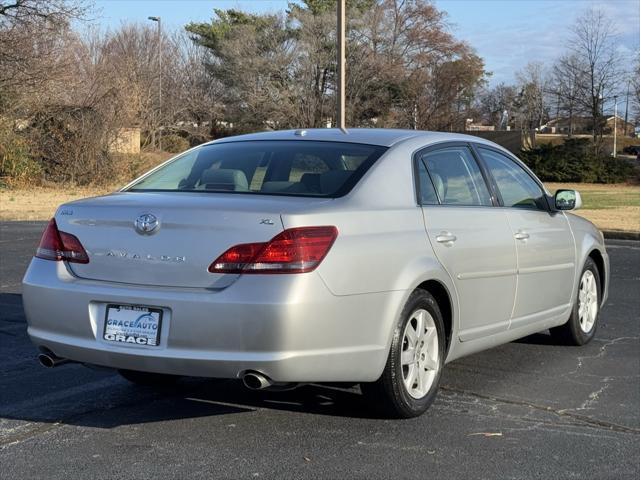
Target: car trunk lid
193, 230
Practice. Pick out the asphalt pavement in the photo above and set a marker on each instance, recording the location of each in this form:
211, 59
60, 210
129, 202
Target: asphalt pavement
528, 409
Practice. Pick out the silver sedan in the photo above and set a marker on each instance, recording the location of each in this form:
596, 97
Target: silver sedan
367, 256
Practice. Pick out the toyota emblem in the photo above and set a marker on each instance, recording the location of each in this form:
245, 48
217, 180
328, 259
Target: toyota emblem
146, 224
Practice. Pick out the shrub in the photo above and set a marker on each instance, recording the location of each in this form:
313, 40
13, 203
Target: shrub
576, 161
174, 144
17, 167
71, 145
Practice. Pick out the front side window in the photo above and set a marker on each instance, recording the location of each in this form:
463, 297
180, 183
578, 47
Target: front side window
304, 168
516, 186
456, 177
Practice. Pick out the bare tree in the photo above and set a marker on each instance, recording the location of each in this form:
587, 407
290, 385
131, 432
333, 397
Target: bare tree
494, 102
404, 67
24, 12
530, 103
193, 96
567, 77
313, 73
636, 88
408, 70
595, 57
34, 38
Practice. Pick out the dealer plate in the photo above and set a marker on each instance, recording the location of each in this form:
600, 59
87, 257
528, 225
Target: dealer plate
133, 325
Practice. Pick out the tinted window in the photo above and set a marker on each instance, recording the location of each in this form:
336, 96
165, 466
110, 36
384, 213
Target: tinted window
456, 177
516, 186
306, 168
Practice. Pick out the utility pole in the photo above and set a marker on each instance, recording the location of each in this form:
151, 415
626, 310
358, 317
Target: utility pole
626, 109
341, 97
159, 20
615, 127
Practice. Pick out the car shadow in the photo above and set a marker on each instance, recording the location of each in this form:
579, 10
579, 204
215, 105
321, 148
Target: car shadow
75, 395
128, 404
538, 339
318, 399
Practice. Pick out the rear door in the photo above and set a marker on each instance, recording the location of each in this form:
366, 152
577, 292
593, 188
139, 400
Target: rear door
545, 246
470, 236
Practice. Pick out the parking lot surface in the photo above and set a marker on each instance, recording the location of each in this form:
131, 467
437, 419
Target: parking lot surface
528, 409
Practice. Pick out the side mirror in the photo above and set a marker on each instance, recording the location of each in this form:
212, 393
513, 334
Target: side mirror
567, 200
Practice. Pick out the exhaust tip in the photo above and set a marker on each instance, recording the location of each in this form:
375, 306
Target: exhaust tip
45, 360
256, 381
50, 360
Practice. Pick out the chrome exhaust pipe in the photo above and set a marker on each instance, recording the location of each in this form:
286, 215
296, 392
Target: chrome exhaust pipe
256, 381
50, 360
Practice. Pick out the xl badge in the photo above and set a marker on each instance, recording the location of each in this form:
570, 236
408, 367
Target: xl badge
147, 224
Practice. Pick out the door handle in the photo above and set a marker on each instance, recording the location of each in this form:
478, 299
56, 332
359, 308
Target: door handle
520, 235
446, 237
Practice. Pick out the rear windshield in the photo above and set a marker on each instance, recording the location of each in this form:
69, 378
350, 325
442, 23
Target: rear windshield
305, 168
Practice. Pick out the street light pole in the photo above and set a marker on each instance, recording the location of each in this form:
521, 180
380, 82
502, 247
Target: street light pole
159, 20
615, 129
341, 66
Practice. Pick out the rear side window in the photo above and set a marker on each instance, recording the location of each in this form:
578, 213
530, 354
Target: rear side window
305, 168
455, 177
426, 192
516, 186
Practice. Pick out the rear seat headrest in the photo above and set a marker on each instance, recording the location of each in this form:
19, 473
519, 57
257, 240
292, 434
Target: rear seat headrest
224, 179
331, 181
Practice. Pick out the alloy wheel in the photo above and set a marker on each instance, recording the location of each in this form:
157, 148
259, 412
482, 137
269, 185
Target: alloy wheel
587, 301
419, 356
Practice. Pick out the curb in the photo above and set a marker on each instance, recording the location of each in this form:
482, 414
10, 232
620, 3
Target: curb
620, 235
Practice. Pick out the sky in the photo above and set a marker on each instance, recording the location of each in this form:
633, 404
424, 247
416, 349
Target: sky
507, 34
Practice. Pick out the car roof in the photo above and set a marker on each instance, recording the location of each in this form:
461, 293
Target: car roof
385, 137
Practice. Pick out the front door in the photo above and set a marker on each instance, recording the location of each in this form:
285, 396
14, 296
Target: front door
470, 236
545, 246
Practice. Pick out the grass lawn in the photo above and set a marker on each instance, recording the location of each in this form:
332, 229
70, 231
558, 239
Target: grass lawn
610, 207
40, 203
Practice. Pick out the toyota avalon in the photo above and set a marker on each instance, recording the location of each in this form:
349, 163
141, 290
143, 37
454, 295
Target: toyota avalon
369, 256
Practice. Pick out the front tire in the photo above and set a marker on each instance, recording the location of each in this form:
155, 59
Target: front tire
409, 383
583, 322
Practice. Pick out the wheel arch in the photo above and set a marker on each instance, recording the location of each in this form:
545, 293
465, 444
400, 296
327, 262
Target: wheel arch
589, 243
596, 255
442, 296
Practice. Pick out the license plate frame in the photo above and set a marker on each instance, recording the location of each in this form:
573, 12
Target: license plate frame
122, 332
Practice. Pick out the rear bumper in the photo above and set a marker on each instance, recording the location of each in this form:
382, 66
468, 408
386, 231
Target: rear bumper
289, 327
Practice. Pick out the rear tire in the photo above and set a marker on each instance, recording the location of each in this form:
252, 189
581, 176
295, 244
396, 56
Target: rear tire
583, 322
409, 383
149, 379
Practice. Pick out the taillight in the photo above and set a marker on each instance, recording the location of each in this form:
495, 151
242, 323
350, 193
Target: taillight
58, 246
296, 250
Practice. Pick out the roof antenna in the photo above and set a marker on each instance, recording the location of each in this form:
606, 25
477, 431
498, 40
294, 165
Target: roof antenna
341, 65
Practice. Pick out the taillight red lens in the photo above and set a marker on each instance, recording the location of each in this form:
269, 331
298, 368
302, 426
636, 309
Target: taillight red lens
296, 250
236, 258
56, 245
